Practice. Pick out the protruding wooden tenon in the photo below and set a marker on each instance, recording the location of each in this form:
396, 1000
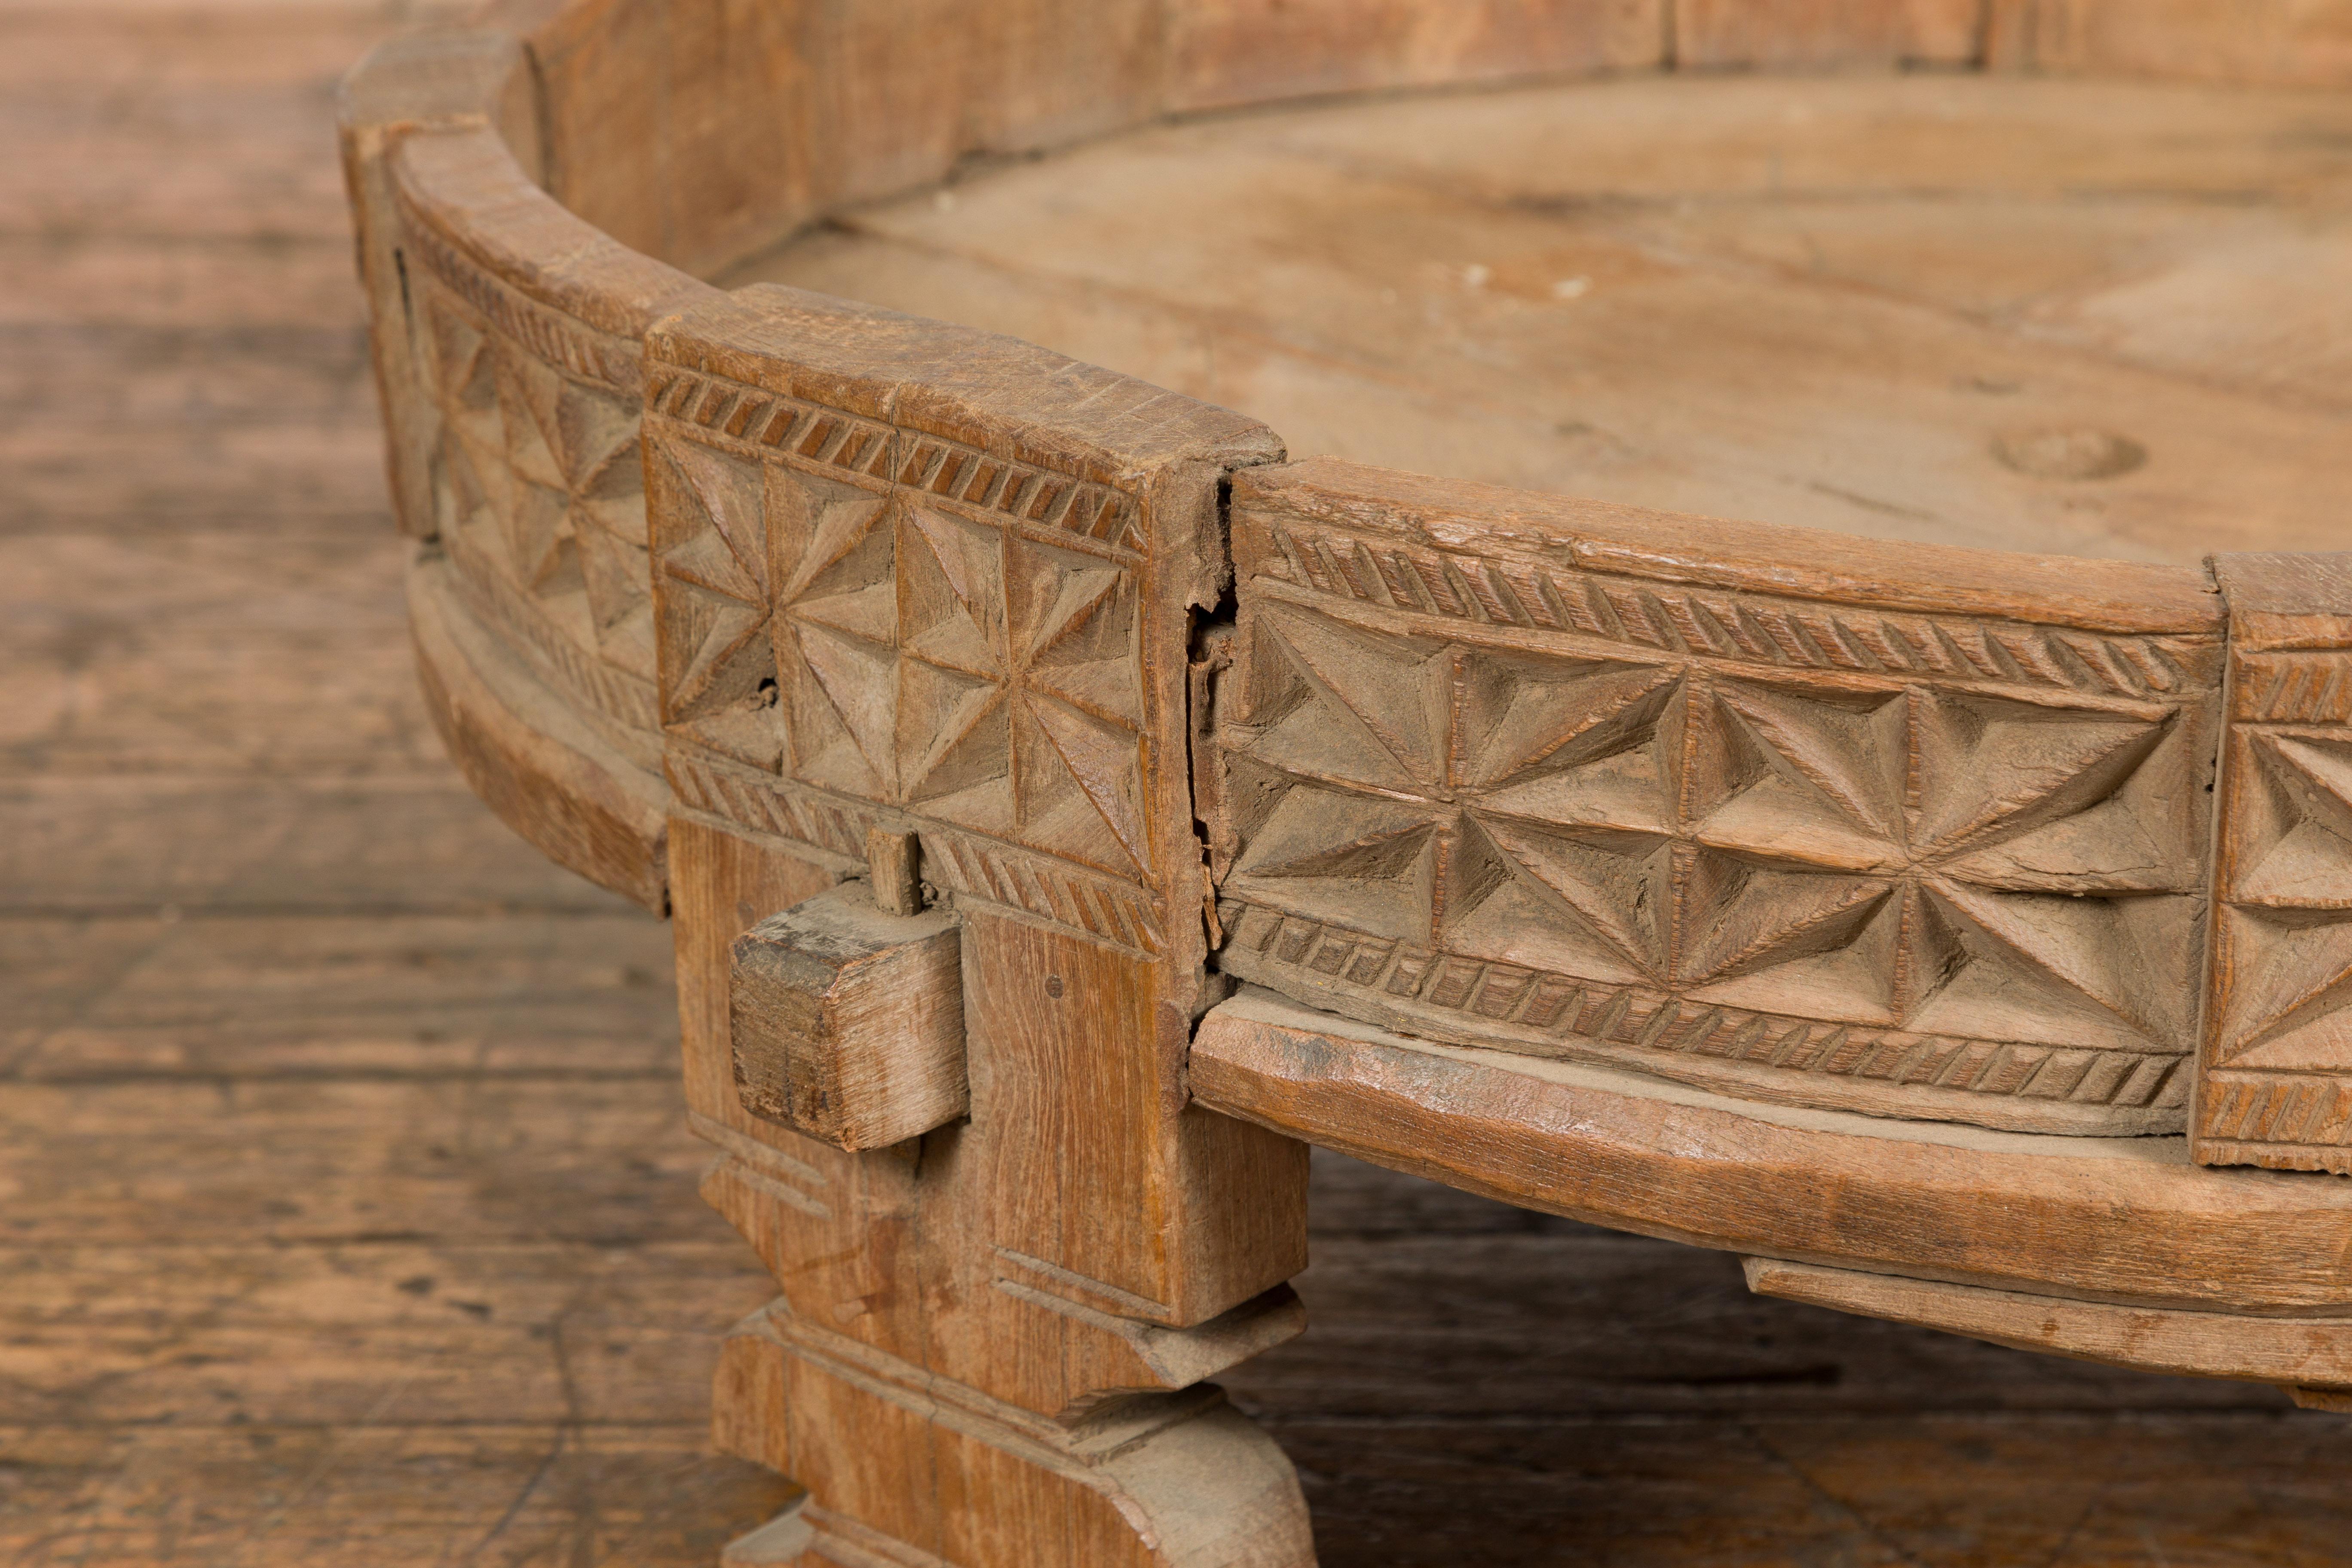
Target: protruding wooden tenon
848, 1020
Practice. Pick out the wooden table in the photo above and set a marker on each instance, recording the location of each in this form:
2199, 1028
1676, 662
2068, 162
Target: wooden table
351, 1211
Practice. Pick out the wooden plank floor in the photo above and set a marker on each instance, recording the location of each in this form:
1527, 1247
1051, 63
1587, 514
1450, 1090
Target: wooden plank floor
346, 1210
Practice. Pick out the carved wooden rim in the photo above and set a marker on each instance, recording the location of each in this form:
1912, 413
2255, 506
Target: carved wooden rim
498, 310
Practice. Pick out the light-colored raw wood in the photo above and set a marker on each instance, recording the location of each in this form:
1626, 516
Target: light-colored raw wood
551, 777
2119, 1220
1222, 53
2292, 1350
2275, 1085
433, 79
2277, 41
1174, 1480
1887, 832
905, 520
971, 567
1783, 33
847, 1020
896, 1251
894, 870
506, 342
1907, 307
381, 1006
1908, 831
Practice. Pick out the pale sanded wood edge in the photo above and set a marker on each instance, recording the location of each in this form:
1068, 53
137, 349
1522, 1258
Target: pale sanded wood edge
546, 775
448, 210
2314, 1352
1463, 517
2126, 1220
476, 77
463, 186
2274, 1080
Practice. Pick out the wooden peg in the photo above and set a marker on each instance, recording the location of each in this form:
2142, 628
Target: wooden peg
847, 1022
892, 861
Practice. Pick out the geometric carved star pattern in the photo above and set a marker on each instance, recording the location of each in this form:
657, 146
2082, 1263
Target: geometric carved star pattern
916, 657
545, 471
1947, 862
2290, 1004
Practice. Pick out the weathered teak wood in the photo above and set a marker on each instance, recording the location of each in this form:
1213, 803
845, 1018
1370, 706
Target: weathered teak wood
506, 348
846, 1020
1844, 904
1832, 823
915, 579
2277, 1083
2310, 1354
1948, 307
2115, 1219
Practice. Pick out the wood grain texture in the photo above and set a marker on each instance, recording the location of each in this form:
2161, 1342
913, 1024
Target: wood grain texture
917, 1261
1180, 1480
1894, 306
441, 81
2272, 1087
549, 775
506, 350
894, 872
851, 1240
1589, 783
918, 582
922, 577
2269, 41
2316, 1352
914, 581
1225, 53
1798, 34
847, 1020
2124, 1220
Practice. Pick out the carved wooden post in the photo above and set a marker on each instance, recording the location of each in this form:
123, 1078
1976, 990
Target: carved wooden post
919, 580
2275, 1080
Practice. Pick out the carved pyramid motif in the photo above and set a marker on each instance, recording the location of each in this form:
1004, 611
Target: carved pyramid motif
1965, 863
538, 488
2276, 1084
2289, 926
919, 652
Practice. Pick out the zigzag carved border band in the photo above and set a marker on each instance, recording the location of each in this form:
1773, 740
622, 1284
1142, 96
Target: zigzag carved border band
2298, 1122
965, 863
2292, 689
907, 459
1496, 1002
537, 328
1748, 628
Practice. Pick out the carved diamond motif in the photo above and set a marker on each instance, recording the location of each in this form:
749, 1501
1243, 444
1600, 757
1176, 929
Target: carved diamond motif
2289, 916
860, 639
1892, 856
542, 472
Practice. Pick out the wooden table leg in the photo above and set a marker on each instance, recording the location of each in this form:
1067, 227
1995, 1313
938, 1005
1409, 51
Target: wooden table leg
915, 581
946, 1392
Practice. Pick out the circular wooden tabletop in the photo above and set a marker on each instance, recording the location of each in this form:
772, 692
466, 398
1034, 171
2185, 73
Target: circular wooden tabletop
2098, 318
